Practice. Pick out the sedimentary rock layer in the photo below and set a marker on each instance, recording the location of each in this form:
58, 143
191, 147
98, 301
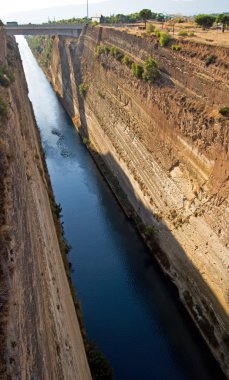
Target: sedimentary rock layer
167, 144
39, 333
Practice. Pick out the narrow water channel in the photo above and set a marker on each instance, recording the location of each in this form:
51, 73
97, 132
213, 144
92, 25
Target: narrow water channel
130, 309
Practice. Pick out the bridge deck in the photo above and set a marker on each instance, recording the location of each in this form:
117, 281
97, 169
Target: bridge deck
71, 30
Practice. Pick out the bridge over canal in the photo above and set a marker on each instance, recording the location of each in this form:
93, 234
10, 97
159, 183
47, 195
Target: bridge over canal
70, 30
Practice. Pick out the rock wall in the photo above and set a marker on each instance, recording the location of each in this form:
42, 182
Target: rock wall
39, 332
167, 144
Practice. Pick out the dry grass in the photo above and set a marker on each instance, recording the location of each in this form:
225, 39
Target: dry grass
210, 37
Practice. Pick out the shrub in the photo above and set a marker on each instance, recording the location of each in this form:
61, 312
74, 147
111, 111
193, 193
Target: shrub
3, 107
150, 70
210, 59
150, 28
116, 53
137, 70
99, 366
6, 77
94, 23
101, 94
98, 51
164, 39
224, 111
85, 140
106, 49
127, 61
113, 51
150, 231
157, 33
176, 47
83, 89
119, 55
183, 33
191, 34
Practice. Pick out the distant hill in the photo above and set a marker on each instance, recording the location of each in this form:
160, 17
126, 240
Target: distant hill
186, 7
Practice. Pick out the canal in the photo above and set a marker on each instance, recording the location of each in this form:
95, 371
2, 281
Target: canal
130, 309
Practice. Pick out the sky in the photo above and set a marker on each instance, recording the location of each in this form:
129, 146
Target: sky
30, 11
23, 5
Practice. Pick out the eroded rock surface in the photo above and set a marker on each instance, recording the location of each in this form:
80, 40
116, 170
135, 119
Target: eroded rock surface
167, 144
39, 332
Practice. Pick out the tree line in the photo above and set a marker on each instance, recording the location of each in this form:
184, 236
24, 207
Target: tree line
206, 21
143, 15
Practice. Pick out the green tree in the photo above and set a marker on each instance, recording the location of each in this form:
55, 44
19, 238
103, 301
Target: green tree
224, 20
133, 17
160, 17
120, 18
145, 14
206, 21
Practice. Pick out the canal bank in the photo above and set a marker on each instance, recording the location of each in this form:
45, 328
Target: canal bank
40, 336
129, 308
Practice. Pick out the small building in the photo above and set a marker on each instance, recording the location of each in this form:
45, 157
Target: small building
96, 18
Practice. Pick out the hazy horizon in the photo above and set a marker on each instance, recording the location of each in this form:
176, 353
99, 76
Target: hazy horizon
28, 12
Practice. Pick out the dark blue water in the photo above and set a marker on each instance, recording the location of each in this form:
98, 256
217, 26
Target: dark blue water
129, 307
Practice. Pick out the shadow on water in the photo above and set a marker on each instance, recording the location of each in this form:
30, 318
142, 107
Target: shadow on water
130, 308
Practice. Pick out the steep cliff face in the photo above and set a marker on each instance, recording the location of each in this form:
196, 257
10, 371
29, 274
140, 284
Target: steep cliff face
167, 144
39, 332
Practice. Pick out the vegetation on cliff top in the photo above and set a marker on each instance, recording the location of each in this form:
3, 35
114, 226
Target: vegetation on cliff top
224, 20
145, 14
206, 21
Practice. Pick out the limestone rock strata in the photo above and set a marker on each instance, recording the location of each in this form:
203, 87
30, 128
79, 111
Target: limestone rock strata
167, 144
39, 333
